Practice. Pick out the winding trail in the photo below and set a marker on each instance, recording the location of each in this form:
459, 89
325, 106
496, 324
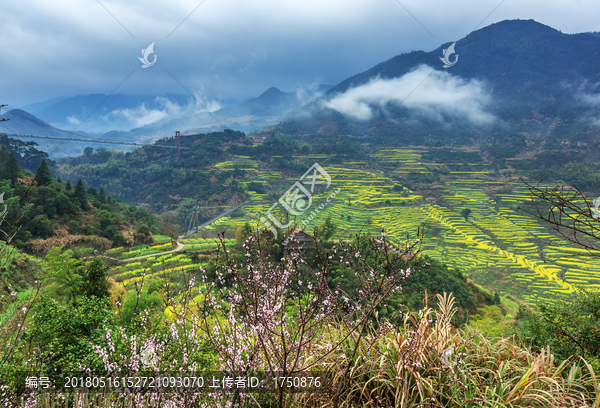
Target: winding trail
179, 247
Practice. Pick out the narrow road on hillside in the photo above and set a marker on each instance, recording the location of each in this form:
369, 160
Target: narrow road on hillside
179, 247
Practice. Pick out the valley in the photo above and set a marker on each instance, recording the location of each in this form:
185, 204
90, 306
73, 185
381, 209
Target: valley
421, 234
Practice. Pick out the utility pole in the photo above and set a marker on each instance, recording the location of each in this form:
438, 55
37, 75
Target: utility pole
2, 120
177, 134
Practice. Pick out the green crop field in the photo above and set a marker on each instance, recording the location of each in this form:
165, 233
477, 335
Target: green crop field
203, 244
159, 265
497, 245
152, 267
140, 250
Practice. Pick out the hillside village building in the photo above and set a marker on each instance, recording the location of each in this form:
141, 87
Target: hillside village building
299, 239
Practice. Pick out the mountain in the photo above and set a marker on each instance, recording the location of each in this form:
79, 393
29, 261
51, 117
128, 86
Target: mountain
528, 77
35, 108
24, 123
101, 113
512, 55
267, 108
247, 116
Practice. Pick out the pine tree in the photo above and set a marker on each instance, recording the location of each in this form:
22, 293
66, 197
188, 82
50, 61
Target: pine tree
102, 196
81, 194
68, 186
44, 177
12, 170
95, 283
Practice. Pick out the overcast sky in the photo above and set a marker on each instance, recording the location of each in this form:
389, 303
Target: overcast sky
231, 49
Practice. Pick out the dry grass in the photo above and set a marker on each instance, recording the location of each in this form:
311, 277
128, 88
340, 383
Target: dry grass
429, 363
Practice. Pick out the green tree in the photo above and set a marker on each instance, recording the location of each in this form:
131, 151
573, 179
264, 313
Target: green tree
102, 196
326, 230
64, 335
68, 186
44, 177
64, 274
569, 327
277, 252
81, 195
465, 213
63, 204
143, 235
12, 170
95, 282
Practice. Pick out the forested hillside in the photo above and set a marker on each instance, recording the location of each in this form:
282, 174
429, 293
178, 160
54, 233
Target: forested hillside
53, 212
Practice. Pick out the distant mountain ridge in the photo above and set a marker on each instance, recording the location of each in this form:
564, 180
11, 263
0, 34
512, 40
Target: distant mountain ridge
269, 107
533, 73
69, 112
23, 123
507, 54
539, 83
116, 112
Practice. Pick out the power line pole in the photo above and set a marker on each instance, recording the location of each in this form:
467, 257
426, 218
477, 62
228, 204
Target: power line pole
177, 134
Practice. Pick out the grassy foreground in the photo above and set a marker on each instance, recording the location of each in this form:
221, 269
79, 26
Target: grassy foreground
425, 363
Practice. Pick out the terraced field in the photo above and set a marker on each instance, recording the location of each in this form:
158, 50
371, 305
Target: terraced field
141, 250
155, 266
497, 245
159, 265
203, 244
407, 161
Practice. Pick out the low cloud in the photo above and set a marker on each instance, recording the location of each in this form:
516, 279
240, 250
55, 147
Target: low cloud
432, 94
590, 99
164, 110
589, 94
72, 120
308, 93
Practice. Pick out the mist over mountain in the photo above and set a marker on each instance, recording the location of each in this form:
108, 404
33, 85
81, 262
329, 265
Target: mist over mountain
100, 113
512, 76
23, 123
267, 108
159, 115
